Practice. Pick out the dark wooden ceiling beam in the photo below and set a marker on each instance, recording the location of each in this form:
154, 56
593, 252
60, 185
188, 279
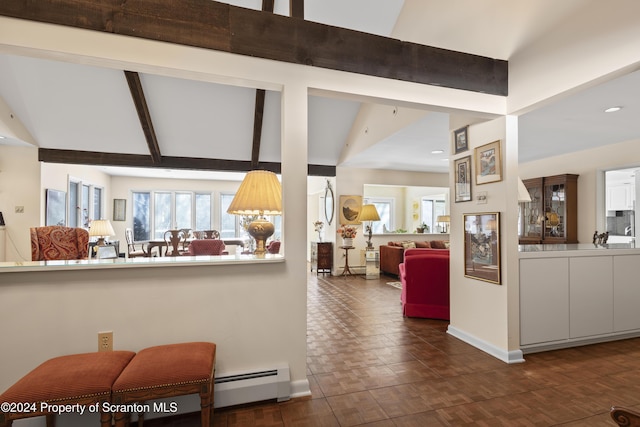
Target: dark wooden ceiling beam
95, 158
212, 25
137, 93
258, 114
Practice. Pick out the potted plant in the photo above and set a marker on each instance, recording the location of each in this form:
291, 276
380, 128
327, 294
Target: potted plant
347, 233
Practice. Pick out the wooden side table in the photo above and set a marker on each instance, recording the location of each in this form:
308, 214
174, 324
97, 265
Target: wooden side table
346, 271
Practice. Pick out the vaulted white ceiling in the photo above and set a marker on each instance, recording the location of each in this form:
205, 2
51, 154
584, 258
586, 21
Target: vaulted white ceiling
80, 107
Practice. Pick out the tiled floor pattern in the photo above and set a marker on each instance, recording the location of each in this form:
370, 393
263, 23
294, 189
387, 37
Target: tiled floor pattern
367, 365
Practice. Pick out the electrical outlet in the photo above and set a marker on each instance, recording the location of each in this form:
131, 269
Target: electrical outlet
19, 209
105, 341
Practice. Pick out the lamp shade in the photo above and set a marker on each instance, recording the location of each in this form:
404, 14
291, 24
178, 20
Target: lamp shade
259, 194
101, 228
523, 194
443, 218
369, 213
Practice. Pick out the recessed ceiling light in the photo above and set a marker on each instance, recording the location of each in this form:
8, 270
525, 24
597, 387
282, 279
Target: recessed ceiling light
445, 160
612, 109
437, 152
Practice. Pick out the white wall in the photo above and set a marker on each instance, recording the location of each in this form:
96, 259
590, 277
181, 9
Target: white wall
482, 313
20, 186
590, 165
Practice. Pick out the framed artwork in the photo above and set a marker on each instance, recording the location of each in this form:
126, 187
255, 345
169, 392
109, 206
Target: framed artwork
462, 169
56, 207
488, 163
461, 140
482, 246
350, 207
119, 209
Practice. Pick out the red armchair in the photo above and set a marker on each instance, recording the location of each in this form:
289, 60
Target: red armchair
55, 242
273, 247
425, 283
207, 247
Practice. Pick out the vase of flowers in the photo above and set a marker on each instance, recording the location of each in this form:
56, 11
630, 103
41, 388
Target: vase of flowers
347, 233
318, 225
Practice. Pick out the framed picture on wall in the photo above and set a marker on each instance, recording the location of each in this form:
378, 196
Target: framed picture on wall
56, 207
488, 163
462, 169
461, 140
119, 209
482, 246
350, 207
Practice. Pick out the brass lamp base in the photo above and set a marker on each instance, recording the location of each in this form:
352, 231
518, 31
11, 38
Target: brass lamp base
260, 230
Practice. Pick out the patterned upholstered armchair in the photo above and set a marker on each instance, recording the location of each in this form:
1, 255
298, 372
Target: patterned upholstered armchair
59, 243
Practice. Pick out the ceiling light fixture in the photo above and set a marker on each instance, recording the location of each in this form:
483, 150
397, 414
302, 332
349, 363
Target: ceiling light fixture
612, 109
437, 152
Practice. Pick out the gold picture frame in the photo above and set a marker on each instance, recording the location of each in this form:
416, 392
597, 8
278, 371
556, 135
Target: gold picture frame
488, 163
350, 207
482, 246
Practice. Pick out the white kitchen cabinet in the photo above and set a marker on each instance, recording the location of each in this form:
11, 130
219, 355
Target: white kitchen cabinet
580, 294
626, 293
544, 300
620, 198
590, 296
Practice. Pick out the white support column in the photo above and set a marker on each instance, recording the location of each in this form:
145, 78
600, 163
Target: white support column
294, 200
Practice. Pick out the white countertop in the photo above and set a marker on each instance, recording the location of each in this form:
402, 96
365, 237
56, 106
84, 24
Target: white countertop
577, 249
187, 261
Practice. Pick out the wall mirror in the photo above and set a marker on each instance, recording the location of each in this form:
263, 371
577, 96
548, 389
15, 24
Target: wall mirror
328, 203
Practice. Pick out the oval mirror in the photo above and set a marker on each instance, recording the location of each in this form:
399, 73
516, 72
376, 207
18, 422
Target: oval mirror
328, 203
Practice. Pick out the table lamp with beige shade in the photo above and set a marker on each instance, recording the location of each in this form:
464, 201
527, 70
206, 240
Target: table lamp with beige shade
259, 194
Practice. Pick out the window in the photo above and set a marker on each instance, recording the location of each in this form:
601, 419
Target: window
229, 224
385, 207
74, 205
203, 211
97, 203
430, 210
161, 214
86, 202
141, 216
155, 212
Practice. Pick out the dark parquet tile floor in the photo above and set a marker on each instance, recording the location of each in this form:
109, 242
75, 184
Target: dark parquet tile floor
367, 365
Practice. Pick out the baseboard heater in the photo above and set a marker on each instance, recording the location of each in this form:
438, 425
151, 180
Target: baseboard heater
248, 387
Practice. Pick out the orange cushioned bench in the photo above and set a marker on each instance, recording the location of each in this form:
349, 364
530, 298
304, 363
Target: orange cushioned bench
78, 379
167, 371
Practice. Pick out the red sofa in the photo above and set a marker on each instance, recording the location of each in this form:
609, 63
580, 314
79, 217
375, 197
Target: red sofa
425, 283
392, 254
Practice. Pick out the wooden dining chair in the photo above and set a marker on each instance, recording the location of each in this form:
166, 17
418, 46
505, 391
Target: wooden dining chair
132, 251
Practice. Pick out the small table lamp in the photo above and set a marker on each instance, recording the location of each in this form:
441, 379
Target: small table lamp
101, 228
369, 213
445, 219
259, 194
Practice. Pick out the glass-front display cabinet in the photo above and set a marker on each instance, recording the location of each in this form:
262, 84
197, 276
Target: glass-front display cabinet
552, 214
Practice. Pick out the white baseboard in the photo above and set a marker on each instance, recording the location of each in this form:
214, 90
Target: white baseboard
514, 356
300, 388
